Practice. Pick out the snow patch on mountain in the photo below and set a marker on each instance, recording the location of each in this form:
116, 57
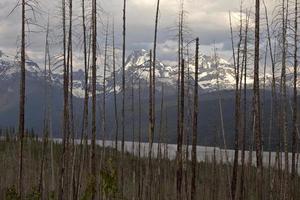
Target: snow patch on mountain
213, 73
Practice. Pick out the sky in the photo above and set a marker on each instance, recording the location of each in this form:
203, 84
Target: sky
206, 19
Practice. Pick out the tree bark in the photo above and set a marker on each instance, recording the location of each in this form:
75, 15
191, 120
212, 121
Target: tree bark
295, 102
257, 105
195, 124
180, 136
94, 68
123, 95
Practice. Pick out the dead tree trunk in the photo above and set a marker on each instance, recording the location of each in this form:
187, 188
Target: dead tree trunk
273, 124
22, 103
84, 130
123, 95
180, 136
139, 147
46, 116
66, 108
71, 131
94, 60
237, 111
159, 153
195, 125
295, 99
151, 128
104, 91
154, 65
115, 92
283, 95
133, 139
243, 139
256, 104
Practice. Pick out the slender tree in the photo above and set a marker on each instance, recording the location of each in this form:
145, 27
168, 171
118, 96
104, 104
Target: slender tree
66, 107
94, 67
84, 129
139, 146
123, 94
295, 100
85, 104
243, 138
115, 91
257, 105
180, 136
46, 115
104, 89
154, 65
237, 106
195, 124
22, 101
151, 128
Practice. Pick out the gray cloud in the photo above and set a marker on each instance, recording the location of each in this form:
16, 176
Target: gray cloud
207, 19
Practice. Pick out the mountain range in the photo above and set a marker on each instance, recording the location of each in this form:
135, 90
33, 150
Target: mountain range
216, 78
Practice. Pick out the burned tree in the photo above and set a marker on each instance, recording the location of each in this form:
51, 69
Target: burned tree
195, 124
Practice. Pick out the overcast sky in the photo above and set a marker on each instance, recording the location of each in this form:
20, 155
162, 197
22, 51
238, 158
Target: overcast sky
207, 19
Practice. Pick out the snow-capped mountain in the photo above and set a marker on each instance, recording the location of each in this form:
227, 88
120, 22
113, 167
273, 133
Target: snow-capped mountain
211, 75
137, 71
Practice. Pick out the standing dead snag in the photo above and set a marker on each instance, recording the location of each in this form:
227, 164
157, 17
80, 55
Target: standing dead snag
115, 91
104, 90
123, 95
22, 103
243, 138
180, 136
133, 139
151, 127
94, 60
237, 112
256, 104
295, 107
154, 65
71, 131
195, 124
46, 114
139, 146
273, 125
66, 107
283, 94
85, 105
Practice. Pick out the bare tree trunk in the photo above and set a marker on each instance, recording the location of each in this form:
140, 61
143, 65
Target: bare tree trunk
159, 153
195, 124
222, 125
123, 95
104, 91
84, 130
273, 124
180, 136
94, 68
115, 92
85, 106
46, 116
133, 139
22, 103
140, 135
243, 139
151, 129
283, 91
295, 107
256, 105
66, 109
237, 109
154, 65
71, 114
